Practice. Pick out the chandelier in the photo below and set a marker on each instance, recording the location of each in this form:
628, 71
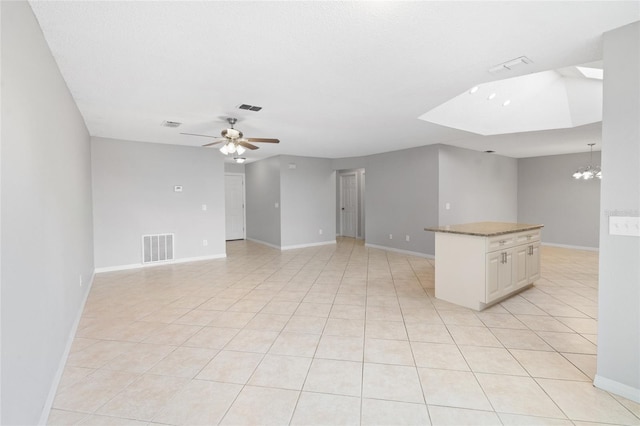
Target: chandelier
588, 172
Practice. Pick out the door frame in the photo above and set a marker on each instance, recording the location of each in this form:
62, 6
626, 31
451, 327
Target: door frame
357, 213
244, 204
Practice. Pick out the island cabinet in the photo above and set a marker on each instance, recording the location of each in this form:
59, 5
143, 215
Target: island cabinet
483, 263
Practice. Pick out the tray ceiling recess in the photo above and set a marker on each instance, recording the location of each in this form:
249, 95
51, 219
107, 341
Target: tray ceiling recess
556, 99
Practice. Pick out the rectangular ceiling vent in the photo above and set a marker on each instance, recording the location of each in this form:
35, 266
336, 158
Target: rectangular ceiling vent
509, 65
249, 107
171, 124
157, 248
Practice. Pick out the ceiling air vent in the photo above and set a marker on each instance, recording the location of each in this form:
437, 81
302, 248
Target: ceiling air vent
171, 124
249, 107
509, 65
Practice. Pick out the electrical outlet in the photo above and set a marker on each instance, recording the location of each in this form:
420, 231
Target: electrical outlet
407, 238
319, 231
205, 243
391, 236
204, 207
80, 280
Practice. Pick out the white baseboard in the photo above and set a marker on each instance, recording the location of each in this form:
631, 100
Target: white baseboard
264, 243
618, 388
411, 253
298, 246
292, 247
568, 246
151, 265
46, 410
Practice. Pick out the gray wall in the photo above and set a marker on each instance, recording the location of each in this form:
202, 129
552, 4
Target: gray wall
308, 203
568, 208
401, 198
406, 191
479, 186
262, 186
233, 168
618, 367
133, 195
46, 229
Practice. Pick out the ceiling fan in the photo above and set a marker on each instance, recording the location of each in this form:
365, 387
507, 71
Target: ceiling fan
233, 140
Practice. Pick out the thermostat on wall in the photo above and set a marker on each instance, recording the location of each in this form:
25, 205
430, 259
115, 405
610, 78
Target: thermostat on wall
177, 188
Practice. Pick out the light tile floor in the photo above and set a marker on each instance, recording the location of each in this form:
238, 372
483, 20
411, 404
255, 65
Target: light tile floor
333, 335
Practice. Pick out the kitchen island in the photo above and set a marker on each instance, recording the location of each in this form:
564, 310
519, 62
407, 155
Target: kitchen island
480, 264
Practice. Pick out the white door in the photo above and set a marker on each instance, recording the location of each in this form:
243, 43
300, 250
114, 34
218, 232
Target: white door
234, 206
348, 205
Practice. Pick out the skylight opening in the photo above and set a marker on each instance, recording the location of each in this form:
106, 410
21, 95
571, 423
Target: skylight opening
595, 73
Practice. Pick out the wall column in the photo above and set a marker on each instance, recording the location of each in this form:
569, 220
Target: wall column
618, 369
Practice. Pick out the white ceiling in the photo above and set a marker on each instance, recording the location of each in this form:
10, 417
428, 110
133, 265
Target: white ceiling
335, 79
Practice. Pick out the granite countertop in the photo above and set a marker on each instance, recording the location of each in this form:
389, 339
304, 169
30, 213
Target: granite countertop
484, 229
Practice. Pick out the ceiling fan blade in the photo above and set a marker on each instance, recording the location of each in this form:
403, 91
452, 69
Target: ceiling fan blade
263, 140
196, 134
214, 143
247, 145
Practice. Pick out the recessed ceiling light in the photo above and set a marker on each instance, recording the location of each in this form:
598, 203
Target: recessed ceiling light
491, 96
506, 103
473, 90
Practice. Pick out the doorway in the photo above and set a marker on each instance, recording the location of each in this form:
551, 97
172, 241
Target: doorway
234, 206
350, 203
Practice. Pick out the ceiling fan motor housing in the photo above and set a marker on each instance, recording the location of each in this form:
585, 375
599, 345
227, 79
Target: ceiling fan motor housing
231, 133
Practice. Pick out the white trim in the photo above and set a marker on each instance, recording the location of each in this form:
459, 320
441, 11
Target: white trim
264, 243
293, 247
298, 246
48, 404
568, 246
618, 388
151, 265
412, 253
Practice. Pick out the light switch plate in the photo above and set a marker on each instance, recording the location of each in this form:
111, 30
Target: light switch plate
624, 225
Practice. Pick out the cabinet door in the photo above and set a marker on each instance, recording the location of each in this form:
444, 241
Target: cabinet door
500, 274
521, 267
533, 262
506, 278
493, 272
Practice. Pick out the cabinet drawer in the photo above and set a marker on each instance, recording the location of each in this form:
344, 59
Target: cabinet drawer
528, 237
500, 242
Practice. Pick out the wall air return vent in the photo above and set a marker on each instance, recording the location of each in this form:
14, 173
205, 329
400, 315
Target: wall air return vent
157, 248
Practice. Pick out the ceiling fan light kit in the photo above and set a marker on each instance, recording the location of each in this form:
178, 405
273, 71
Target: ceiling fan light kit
234, 142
